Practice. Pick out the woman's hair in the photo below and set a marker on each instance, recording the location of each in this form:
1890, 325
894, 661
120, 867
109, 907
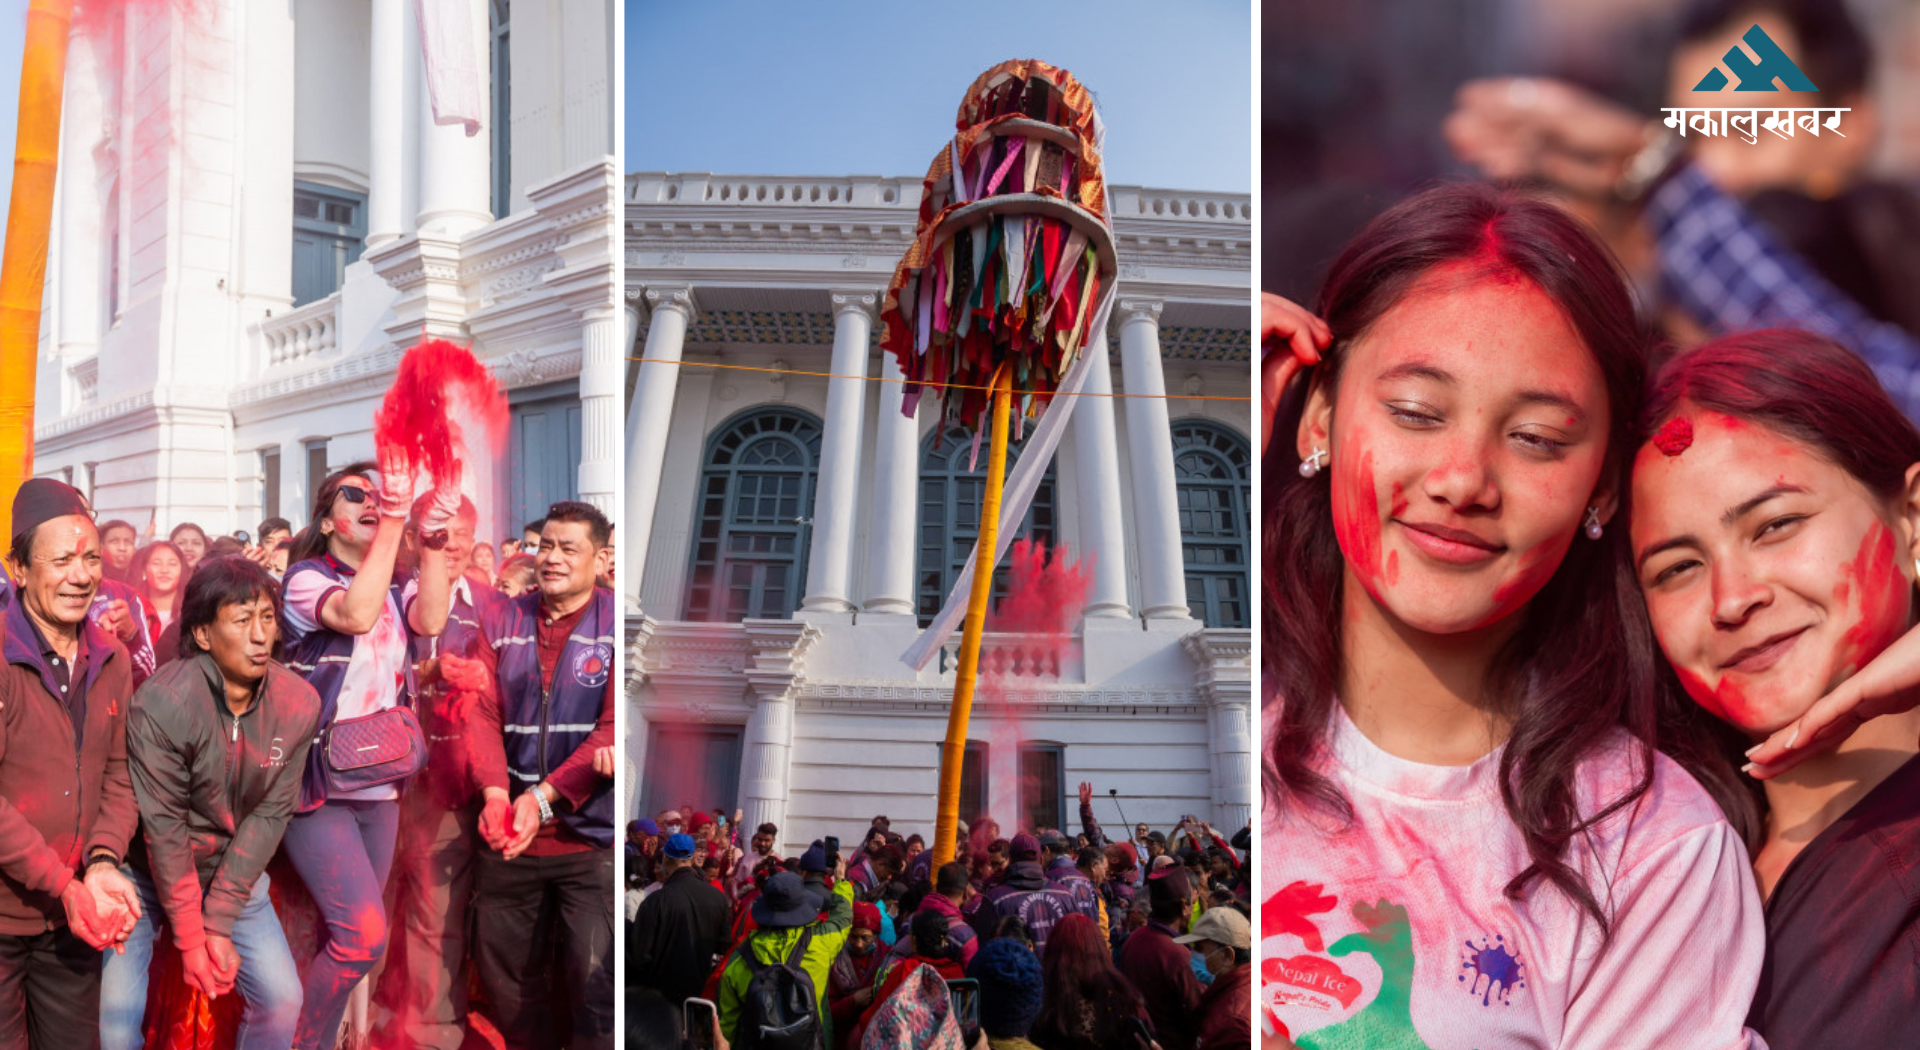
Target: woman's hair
1081, 988
311, 542
143, 557
520, 568
1813, 391
217, 583
1582, 660
1014, 928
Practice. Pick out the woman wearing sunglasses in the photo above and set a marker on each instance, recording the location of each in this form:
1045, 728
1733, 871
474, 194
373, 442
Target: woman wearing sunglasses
349, 634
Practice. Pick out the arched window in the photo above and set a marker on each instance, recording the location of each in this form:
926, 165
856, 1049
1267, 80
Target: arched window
1210, 466
756, 498
950, 498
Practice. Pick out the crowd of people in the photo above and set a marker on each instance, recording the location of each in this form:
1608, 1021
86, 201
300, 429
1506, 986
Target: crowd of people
346, 772
1041, 940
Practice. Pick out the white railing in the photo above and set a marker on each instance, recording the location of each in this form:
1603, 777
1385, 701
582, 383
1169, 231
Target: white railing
780, 190
292, 337
1017, 656
1195, 206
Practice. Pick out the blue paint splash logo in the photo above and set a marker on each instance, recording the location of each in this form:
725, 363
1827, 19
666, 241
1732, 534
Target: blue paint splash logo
1491, 970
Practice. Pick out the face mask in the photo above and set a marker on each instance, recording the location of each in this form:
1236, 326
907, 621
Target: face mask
1205, 959
673, 829
868, 950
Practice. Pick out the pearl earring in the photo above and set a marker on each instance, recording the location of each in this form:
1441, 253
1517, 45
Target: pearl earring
1311, 465
1593, 523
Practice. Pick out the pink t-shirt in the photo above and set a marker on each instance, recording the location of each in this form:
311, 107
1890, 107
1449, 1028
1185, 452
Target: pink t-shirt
1396, 931
377, 671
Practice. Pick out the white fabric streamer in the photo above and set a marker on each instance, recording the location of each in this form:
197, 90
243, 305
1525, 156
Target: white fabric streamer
456, 64
1022, 483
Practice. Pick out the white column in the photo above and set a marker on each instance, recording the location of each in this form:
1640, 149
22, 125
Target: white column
262, 274
1163, 582
830, 559
763, 762
386, 140
1097, 481
647, 419
896, 485
81, 278
1230, 739
600, 389
455, 171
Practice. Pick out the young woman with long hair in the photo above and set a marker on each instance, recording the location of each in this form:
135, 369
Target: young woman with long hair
161, 574
191, 541
1086, 1002
1476, 824
1776, 522
349, 635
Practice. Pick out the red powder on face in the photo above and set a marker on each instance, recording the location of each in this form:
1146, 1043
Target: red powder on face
1885, 597
1726, 701
438, 384
1356, 519
1674, 438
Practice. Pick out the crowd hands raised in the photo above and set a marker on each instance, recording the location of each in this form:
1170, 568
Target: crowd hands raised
166, 719
1041, 939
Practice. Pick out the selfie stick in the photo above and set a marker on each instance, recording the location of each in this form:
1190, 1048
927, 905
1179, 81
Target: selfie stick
1114, 793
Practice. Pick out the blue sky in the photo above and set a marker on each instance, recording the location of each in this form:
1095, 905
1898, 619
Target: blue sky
13, 40
785, 88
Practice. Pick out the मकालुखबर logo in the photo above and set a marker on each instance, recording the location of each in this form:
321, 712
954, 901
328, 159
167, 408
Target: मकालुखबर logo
1773, 64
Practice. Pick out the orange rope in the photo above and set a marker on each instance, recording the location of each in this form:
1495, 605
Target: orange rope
947, 386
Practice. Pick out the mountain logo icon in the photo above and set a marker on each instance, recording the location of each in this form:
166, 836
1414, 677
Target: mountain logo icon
1757, 76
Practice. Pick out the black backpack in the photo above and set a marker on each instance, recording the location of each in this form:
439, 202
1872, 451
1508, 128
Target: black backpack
779, 1010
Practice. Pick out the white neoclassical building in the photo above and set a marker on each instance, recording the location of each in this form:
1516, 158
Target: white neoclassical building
257, 214
788, 534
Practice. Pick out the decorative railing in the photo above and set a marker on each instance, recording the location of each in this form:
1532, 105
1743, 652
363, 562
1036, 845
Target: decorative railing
782, 190
291, 338
1130, 201
1021, 656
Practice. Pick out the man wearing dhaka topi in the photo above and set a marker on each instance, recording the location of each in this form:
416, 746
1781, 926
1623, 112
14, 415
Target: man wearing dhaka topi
67, 806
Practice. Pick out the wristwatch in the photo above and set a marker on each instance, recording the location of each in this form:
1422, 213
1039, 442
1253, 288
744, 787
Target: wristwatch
546, 808
434, 541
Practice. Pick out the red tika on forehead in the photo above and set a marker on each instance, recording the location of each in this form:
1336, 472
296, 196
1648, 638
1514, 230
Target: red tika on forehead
1674, 438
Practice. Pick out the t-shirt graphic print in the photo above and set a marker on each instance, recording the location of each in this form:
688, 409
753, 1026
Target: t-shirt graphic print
1394, 932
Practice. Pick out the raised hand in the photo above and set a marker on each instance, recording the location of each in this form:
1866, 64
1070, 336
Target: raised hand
1086, 793
1299, 337
442, 509
396, 483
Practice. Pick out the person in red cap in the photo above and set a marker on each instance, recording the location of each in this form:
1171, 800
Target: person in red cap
850, 981
67, 807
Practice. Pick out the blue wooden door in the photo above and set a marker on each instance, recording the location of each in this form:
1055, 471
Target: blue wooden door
545, 456
698, 764
329, 229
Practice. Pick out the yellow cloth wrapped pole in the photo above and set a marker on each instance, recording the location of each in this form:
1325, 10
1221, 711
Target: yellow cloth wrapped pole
946, 824
23, 263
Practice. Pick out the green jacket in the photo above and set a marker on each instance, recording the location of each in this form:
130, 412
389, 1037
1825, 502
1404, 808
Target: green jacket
773, 946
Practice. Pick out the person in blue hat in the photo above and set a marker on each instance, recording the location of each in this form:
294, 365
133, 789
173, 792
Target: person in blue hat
785, 912
681, 927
